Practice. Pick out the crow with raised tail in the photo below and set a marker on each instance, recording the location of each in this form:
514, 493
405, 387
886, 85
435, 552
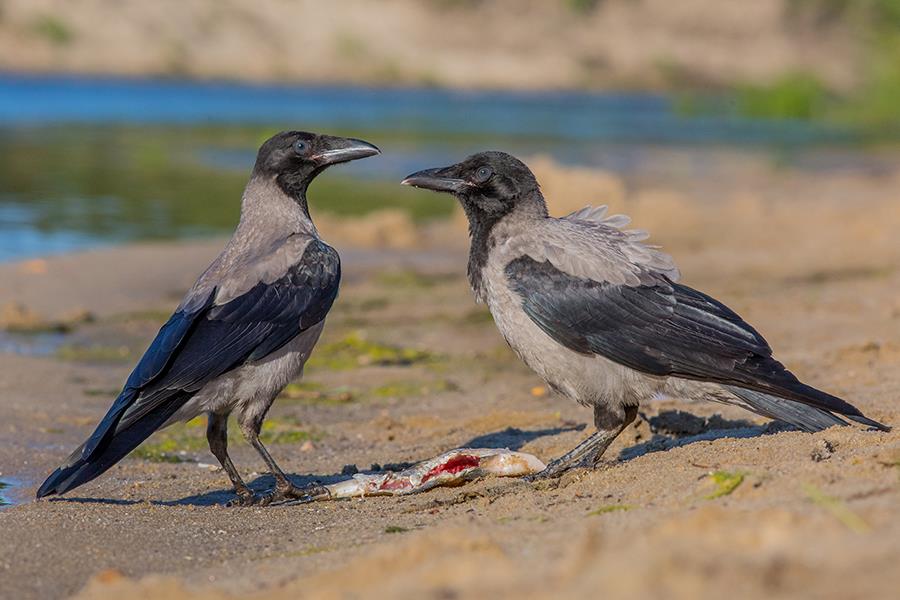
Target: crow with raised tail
601, 317
242, 332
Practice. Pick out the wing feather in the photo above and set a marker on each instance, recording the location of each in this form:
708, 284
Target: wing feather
661, 328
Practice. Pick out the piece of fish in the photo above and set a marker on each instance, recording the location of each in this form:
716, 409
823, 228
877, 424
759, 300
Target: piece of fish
449, 469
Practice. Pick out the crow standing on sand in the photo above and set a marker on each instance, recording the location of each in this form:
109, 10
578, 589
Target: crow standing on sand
243, 331
599, 315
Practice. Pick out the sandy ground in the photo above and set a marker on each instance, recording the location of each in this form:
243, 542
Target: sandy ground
685, 508
518, 44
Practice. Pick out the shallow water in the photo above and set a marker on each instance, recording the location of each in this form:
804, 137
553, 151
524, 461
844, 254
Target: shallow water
31, 344
90, 161
5, 487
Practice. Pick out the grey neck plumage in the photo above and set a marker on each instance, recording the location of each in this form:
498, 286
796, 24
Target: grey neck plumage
268, 216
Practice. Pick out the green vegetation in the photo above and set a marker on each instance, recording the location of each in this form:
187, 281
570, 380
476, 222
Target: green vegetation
477, 316
837, 508
410, 388
283, 431
874, 106
412, 279
354, 350
582, 6
53, 30
363, 304
792, 96
173, 443
153, 316
162, 452
110, 392
725, 483
350, 47
97, 354
309, 392
395, 529
611, 508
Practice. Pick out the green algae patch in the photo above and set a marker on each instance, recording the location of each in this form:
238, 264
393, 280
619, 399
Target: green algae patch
284, 431
355, 350
412, 388
611, 508
838, 509
163, 452
477, 316
724, 482
410, 279
307, 392
395, 529
111, 392
94, 354
142, 316
175, 444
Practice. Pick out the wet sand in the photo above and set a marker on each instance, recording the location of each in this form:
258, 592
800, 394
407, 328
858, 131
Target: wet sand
686, 508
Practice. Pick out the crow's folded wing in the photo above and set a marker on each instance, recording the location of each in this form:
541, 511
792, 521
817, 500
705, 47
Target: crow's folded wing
657, 327
213, 337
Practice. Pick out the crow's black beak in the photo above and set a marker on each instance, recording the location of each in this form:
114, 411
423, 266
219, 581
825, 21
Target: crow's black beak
341, 150
439, 180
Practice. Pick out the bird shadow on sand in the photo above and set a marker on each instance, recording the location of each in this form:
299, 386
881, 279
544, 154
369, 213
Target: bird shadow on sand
260, 484
674, 429
513, 438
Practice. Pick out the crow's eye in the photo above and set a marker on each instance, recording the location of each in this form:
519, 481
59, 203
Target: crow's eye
483, 174
300, 147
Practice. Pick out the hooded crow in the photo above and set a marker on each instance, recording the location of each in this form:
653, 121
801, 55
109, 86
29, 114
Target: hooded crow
242, 332
601, 317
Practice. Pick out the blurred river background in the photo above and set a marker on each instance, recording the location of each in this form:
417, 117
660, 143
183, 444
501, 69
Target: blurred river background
139, 121
93, 161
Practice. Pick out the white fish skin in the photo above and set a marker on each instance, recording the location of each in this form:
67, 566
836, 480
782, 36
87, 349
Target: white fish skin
450, 468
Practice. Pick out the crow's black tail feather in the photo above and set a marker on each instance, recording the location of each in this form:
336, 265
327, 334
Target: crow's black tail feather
127, 437
804, 407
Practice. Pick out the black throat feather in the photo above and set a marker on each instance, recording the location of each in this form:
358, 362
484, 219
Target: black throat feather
483, 219
481, 224
295, 185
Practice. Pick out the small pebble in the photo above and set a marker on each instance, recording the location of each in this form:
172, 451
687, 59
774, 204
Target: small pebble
822, 451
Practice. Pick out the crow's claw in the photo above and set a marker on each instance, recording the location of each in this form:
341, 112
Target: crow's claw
283, 495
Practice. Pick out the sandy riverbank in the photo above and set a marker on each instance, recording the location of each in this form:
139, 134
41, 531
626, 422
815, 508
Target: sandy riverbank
733, 507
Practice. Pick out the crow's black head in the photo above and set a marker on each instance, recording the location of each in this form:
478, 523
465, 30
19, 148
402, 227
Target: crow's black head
489, 185
294, 158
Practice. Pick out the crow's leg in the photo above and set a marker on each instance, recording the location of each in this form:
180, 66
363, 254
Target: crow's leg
217, 436
284, 489
610, 423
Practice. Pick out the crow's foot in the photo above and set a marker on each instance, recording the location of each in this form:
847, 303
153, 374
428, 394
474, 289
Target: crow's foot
289, 494
557, 468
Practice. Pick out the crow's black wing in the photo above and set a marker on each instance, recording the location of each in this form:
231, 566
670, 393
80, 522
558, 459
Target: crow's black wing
660, 328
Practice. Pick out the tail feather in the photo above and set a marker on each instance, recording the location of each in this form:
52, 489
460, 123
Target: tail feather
869, 422
807, 418
804, 407
79, 470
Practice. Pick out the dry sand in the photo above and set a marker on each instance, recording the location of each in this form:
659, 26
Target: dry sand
729, 505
